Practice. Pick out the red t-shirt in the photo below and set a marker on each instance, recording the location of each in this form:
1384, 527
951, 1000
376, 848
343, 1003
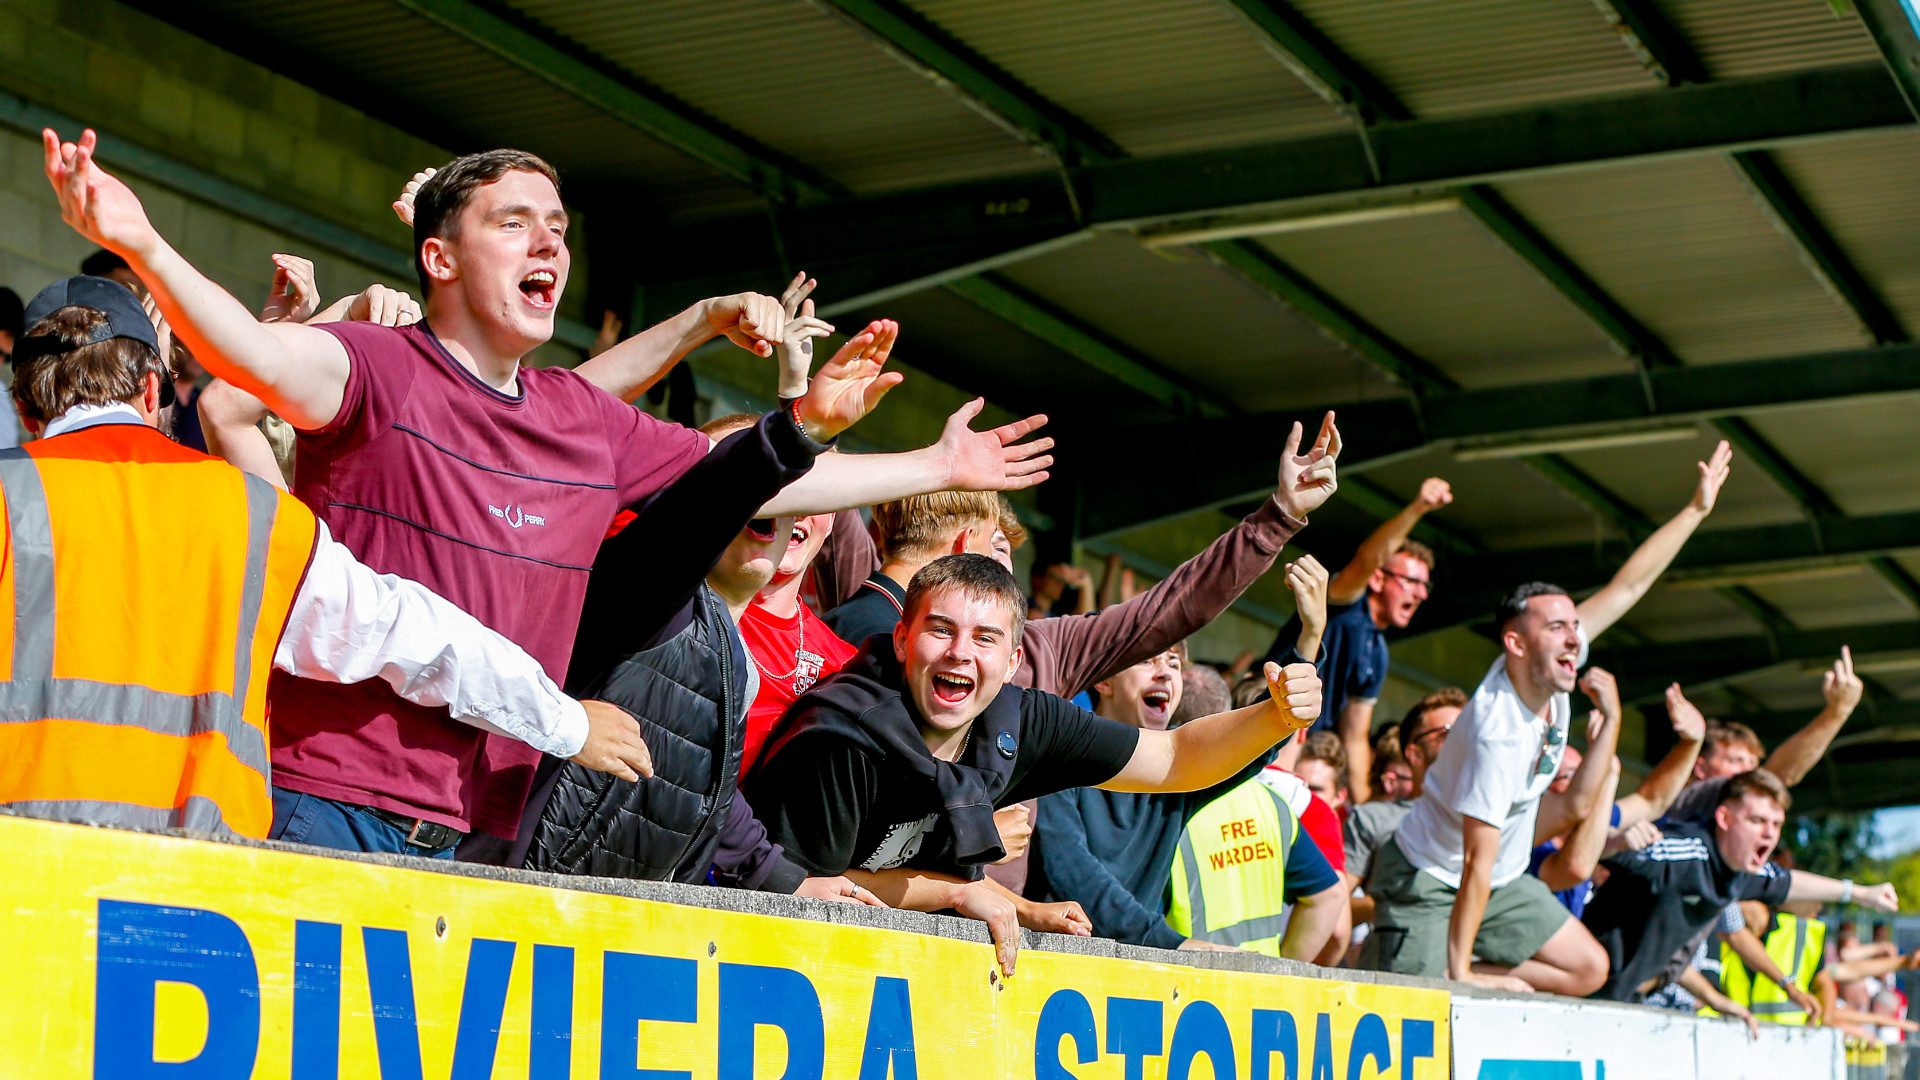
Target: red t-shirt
1323, 825
792, 655
497, 503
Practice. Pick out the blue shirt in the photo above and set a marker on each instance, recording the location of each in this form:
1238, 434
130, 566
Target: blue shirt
1353, 659
1575, 898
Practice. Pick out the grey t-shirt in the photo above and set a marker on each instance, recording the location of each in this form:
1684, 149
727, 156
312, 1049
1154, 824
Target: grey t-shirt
1370, 825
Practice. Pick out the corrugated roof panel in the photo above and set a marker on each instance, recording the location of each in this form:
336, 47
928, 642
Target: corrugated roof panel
1445, 57
1501, 503
1671, 615
801, 81
1822, 603
1736, 38
1155, 78
1685, 247
358, 48
1862, 191
1443, 286
1659, 479
1866, 454
1201, 323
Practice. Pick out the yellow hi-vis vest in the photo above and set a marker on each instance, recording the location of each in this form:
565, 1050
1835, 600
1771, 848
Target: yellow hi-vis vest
1230, 876
1796, 945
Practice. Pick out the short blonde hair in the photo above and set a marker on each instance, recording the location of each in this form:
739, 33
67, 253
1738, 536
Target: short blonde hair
1010, 525
924, 525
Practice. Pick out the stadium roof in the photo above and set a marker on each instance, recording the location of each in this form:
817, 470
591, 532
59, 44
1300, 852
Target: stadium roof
1550, 249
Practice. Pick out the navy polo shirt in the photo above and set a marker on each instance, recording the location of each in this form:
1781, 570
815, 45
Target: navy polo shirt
1353, 659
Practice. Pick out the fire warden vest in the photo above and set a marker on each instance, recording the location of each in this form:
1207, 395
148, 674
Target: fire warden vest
1230, 875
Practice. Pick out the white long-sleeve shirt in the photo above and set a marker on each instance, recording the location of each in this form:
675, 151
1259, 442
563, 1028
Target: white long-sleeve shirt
350, 624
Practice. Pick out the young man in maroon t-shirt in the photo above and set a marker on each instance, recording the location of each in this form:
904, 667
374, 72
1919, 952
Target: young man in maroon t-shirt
433, 454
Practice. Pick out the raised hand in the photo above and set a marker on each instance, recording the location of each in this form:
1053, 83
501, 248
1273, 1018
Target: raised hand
1688, 724
1308, 581
796, 348
992, 460
749, 320
403, 206
851, 383
379, 304
1434, 494
1713, 473
95, 202
1841, 687
1307, 480
796, 293
1600, 686
1296, 693
294, 296
608, 336
1879, 897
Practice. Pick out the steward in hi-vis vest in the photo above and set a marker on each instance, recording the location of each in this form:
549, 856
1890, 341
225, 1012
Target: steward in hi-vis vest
147, 589
1230, 875
1794, 942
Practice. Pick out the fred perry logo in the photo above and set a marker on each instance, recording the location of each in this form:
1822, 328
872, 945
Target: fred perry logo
1006, 745
515, 516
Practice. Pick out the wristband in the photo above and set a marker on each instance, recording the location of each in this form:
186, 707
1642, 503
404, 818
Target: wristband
1846, 891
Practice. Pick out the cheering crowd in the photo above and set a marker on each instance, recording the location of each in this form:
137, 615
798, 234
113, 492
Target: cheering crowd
426, 600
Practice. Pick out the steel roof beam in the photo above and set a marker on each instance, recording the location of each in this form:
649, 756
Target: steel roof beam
1315, 170
1318, 62
1651, 38
1645, 671
1894, 34
626, 98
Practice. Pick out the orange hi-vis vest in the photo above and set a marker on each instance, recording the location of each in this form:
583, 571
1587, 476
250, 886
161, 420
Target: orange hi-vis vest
143, 593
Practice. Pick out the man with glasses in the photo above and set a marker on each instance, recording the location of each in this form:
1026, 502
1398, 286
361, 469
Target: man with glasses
1382, 587
1452, 894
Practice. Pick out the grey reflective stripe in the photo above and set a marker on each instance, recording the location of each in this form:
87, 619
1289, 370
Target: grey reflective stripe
200, 814
1774, 1008
1239, 933
34, 694
1799, 948
23, 701
31, 536
263, 502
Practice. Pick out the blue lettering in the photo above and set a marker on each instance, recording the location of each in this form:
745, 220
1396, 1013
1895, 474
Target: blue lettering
1529, 1070
777, 997
1134, 1031
640, 987
316, 1001
483, 1002
396, 1032
1065, 1013
550, 1046
141, 945
1201, 1030
1369, 1043
1323, 1048
889, 1033
1274, 1033
1416, 1041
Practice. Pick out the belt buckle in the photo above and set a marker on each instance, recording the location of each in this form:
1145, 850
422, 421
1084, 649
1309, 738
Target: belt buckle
413, 834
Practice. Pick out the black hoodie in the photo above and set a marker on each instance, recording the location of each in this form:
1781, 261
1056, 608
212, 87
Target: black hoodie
847, 781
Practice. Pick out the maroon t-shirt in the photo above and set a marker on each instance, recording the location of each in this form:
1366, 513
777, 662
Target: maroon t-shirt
497, 503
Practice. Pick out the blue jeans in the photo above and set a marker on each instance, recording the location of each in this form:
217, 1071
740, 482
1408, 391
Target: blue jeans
299, 818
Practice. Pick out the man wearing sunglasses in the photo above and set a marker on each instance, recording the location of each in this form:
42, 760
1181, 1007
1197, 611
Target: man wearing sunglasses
1454, 883
1379, 589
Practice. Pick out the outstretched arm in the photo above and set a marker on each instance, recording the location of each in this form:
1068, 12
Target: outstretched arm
1793, 759
1805, 886
1663, 785
1203, 752
300, 372
963, 460
1604, 608
1576, 862
1351, 583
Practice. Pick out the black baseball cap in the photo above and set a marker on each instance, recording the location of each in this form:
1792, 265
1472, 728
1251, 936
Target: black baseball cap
125, 319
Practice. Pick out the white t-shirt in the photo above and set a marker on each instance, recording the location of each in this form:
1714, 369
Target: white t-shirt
1496, 763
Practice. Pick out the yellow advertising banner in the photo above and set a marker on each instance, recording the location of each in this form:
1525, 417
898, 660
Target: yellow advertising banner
127, 955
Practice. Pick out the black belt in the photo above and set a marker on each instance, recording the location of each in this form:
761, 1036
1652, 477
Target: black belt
421, 833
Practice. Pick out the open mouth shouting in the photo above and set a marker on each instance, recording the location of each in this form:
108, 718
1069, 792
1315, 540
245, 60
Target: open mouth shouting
798, 537
761, 529
1566, 666
952, 689
539, 288
1157, 704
